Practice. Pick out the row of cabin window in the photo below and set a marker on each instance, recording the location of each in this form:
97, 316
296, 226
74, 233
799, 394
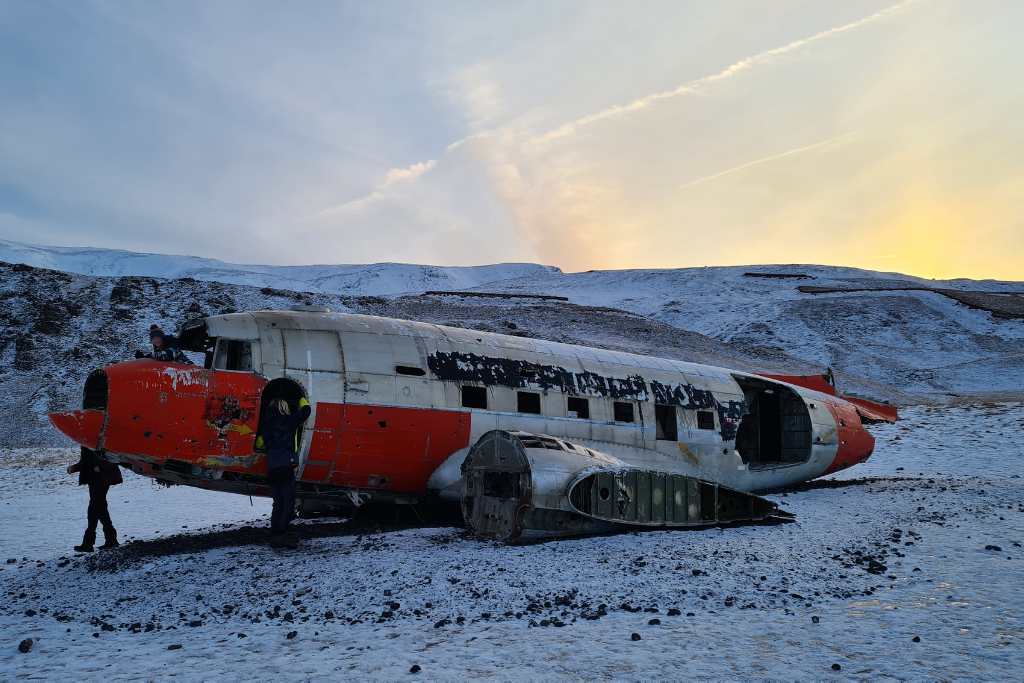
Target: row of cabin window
232, 354
528, 402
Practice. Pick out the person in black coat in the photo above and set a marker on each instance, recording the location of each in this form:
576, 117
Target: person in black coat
99, 475
279, 437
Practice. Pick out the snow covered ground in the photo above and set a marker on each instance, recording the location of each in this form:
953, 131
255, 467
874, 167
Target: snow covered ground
31, 478
908, 566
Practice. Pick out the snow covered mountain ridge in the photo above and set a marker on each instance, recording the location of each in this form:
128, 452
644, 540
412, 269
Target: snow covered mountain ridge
56, 327
888, 336
390, 279
378, 279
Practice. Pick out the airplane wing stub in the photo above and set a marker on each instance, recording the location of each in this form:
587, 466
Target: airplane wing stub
521, 487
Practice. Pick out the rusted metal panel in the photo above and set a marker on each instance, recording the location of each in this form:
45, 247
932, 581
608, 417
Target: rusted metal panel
184, 413
629, 509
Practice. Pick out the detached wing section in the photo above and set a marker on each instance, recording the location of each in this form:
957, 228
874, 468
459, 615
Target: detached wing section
521, 486
660, 499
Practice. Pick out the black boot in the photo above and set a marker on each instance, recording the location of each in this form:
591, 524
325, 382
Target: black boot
109, 538
87, 542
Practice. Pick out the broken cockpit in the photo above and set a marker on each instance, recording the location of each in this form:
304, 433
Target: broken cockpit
225, 346
232, 343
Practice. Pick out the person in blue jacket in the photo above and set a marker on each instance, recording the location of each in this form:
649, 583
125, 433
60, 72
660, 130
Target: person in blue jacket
279, 437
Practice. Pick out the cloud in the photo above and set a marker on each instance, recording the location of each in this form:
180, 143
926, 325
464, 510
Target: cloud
411, 172
561, 211
478, 94
579, 134
576, 202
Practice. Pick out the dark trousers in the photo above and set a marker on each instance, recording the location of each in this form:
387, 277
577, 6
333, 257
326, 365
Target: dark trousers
98, 511
282, 488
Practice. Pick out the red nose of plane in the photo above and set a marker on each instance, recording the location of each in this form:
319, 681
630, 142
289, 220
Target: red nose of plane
84, 427
151, 412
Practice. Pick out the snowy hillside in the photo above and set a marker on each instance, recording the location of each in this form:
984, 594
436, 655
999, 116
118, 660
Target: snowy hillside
56, 327
925, 342
888, 335
372, 279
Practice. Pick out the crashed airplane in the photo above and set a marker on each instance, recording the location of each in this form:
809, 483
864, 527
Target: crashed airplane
534, 439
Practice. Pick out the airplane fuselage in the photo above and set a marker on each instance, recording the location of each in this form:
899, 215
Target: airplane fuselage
397, 405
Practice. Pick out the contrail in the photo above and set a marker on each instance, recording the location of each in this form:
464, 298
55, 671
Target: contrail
392, 177
572, 127
692, 86
765, 160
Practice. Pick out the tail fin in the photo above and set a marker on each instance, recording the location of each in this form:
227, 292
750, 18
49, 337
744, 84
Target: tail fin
869, 411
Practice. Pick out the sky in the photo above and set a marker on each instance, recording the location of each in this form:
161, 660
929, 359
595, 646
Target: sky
579, 133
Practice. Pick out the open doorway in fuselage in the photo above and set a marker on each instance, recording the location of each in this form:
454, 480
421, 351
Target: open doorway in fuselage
285, 388
775, 431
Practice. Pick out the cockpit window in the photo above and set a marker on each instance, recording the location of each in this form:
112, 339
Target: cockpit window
232, 354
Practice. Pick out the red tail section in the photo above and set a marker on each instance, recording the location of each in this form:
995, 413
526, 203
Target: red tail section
870, 411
